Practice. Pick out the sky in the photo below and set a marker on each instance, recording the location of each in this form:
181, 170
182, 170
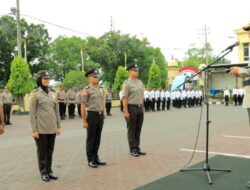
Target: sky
172, 25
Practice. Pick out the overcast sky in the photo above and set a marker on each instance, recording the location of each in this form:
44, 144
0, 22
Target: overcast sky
171, 25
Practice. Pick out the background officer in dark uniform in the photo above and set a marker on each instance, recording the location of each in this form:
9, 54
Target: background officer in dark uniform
132, 91
94, 101
45, 123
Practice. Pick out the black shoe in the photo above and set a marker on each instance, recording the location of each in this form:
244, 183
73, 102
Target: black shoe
45, 177
52, 176
93, 165
141, 153
135, 154
99, 162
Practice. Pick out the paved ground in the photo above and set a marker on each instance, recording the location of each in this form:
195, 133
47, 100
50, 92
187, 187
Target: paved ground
164, 134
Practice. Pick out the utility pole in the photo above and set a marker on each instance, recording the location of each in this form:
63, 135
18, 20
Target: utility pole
82, 62
19, 43
206, 48
111, 24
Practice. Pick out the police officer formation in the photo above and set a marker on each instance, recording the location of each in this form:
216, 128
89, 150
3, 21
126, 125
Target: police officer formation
156, 100
236, 94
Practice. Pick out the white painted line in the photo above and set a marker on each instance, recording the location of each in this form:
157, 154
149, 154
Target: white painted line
218, 153
238, 137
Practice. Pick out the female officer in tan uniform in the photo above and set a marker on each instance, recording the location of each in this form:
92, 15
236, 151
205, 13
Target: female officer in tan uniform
45, 123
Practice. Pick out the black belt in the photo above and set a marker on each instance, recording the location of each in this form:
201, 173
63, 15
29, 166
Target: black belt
96, 112
71, 99
246, 83
135, 105
61, 99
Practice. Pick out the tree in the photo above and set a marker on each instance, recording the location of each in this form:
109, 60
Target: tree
35, 36
65, 56
20, 82
196, 56
120, 77
113, 49
75, 79
37, 43
154, 79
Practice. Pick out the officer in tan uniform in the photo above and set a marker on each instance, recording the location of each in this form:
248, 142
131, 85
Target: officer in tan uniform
244, 73
61, 97
71, 100
7, 104
79, 101
94, 102
45, 123
132, 91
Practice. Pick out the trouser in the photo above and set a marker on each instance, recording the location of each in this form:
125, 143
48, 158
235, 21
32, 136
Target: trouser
62, 109
163, 104
226, 100
94, 130
201, 99
152, 105
45, 147
158, 103
147, 104
79, 110
189, 102
134, 126
71, 110
6, 113
108, 107
184, 102
235, 99
168, 103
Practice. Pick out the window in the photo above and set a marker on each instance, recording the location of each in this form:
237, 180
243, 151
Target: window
245, 51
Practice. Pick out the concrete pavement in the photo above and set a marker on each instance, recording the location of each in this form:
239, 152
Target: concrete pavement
164, 133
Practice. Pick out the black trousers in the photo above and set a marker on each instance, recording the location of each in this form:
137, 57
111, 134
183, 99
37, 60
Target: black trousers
94, 131
163, 104
152, 105
235, 99
158, 104
168, 103
6, 113
71, 110
134, 126
108, 107
62, 108
226, 100
45, 147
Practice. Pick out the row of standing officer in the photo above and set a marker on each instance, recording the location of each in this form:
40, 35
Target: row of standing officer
72, 98
179, 98
45, 118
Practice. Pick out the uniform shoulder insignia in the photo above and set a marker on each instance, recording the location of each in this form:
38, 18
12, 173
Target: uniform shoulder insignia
33, 94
